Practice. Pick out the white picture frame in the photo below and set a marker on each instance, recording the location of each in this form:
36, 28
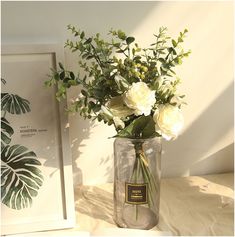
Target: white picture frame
25, 68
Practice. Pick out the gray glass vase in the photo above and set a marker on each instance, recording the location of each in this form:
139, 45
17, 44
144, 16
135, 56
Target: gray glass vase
137, 170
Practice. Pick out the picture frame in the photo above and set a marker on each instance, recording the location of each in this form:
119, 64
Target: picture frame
39, 129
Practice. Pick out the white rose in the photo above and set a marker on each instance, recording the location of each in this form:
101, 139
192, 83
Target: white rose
140, 98
169, 120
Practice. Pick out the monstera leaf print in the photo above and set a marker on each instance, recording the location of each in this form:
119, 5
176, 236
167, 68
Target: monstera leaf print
6, 132
20, 176
14, 104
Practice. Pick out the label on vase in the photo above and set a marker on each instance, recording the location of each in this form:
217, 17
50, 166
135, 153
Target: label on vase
136, 193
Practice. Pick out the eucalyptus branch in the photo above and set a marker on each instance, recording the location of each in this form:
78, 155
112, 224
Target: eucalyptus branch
107, 66
97, 56
122, 51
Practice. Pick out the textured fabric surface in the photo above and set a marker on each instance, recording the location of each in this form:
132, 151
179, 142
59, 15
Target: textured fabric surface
189, 206
195, 205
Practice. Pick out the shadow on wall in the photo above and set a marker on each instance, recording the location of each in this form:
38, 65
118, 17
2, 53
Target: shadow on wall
214, 123
83, 127
218, 159
109, 170
193, 145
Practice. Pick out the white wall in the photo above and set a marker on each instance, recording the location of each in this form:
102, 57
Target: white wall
206, 145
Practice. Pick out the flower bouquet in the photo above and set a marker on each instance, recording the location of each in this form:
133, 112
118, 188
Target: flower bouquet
134, 89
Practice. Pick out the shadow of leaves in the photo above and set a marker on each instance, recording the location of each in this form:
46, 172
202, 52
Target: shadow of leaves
95, 202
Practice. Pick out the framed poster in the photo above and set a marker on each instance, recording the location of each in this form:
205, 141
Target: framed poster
36, 167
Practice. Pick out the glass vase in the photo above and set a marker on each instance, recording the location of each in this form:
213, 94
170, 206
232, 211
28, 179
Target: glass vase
137, 170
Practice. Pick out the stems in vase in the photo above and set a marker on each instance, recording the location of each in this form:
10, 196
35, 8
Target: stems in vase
142, 173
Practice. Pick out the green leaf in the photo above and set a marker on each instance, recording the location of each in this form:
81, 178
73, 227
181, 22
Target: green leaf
187, 53
149, 129
129, 40
65, 81
116, 45
121, 35
72, 76
137, 58
73, 82
20, 176
6, 132
61, 66
178, 60
90, 57
84, 92
88, 41
174, 43
56, 76
162, 60
120, 51
14, 104
180, 39
174, 51
142, 127
62, 75
82, 35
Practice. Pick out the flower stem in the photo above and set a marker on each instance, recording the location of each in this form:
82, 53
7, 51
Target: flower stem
142, 172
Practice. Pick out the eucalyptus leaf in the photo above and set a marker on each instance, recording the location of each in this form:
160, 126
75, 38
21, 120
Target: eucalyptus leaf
129, 40
61, 66
62, 75
72, 76
180, 40
88, 41
174, 43
121, 35
82, 35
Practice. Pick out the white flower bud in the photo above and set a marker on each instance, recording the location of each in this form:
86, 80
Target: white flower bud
121, 82
106, 112
118, 122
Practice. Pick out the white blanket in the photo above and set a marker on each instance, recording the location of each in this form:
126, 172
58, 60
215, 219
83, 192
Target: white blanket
195, 205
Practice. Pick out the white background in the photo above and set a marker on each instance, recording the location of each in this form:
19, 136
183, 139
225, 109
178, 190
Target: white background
206, 144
